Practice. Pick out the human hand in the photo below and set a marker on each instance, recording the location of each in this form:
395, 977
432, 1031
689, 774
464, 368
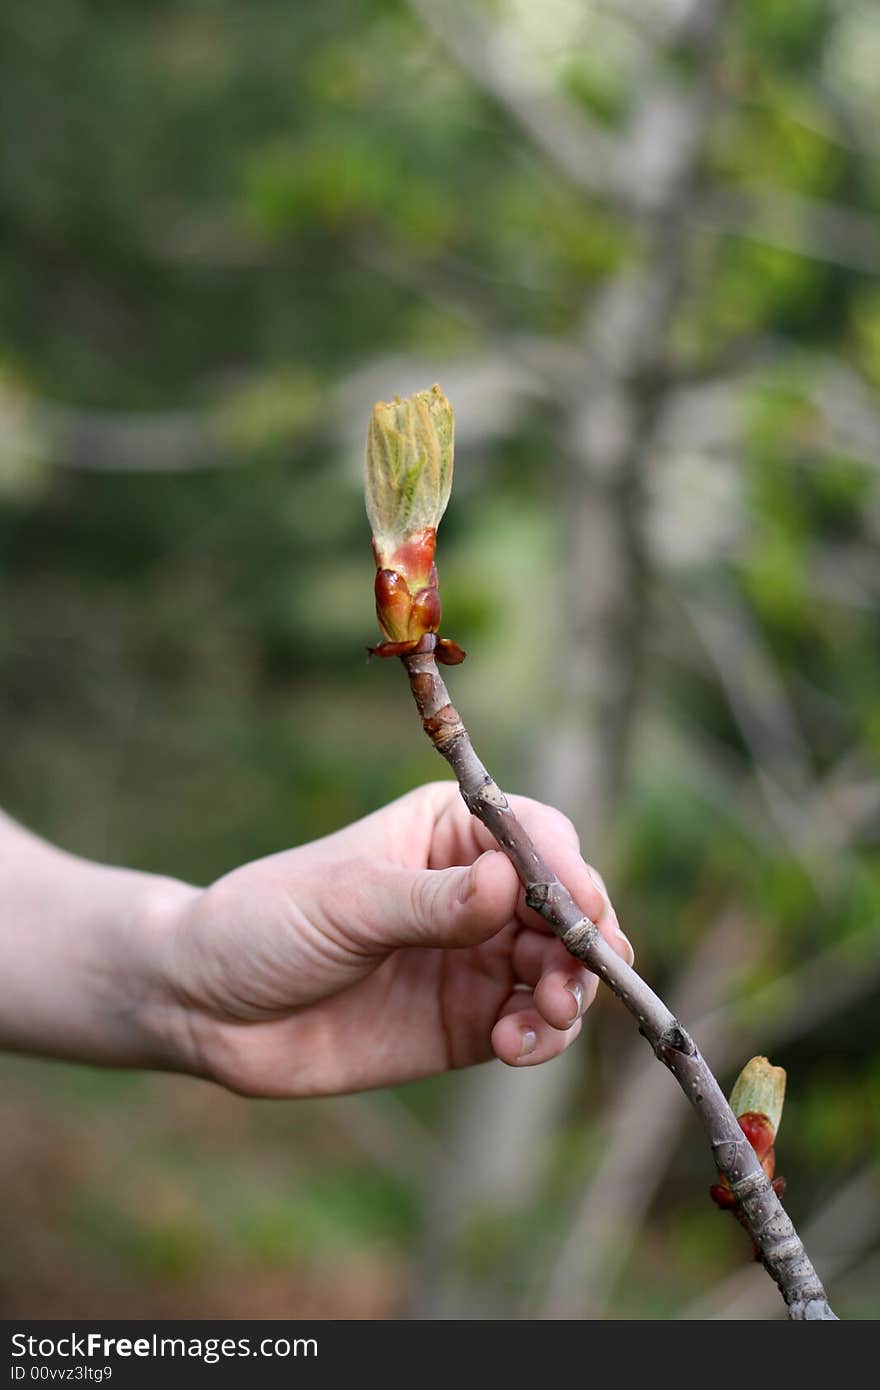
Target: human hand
396, 948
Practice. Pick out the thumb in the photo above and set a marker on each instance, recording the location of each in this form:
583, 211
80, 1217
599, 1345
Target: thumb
445, 907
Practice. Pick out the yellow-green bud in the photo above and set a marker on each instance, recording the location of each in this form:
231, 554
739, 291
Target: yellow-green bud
760, 1090
409, 467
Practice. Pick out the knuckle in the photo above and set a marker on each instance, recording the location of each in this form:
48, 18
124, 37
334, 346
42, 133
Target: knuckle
439, 787
346, 896
348, 879
434, 794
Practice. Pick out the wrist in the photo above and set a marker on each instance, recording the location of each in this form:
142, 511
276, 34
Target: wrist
140, 980
83, 948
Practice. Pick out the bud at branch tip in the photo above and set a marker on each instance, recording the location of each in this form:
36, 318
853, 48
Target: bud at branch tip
408, 480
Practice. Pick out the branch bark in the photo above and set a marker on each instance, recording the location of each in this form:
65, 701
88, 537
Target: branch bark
781, 1249
844, 1230
604, 1218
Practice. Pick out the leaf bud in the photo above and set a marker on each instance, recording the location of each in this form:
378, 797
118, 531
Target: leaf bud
408, 479
408, 469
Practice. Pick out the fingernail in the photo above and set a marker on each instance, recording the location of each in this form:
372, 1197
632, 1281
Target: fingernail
527, 1043
469, 882
598, 880
630, 953
576, 990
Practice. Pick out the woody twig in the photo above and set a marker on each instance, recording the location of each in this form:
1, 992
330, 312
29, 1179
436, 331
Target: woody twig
409, 478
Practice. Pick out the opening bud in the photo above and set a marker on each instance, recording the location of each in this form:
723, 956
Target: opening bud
760, 1090
410, 446
408, 478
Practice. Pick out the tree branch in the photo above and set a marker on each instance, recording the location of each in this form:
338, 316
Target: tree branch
619, 166
604, 1219
602, 1229
822, 231
781, 1250
583, 151
843, 1229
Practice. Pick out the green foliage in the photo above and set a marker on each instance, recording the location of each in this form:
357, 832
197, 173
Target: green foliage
215, 216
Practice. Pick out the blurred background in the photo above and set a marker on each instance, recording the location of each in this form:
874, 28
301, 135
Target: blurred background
637, 245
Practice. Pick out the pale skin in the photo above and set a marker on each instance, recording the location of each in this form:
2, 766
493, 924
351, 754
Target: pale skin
396, 948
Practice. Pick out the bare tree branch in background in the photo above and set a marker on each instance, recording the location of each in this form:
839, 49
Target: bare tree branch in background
613, 415
63, 436
627, 170
588, 155
797, 1001
489, 1175
809, 227
502, 380
772, 734
761, 709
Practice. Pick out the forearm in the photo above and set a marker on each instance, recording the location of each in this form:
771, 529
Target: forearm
83, 956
